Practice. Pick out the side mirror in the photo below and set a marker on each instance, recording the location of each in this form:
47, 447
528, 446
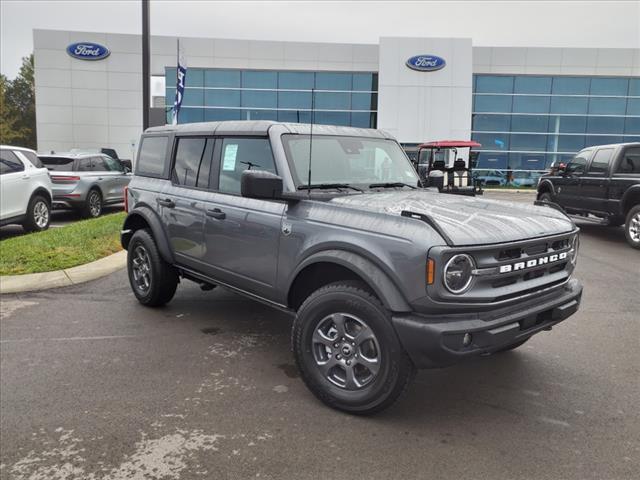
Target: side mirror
126, 169
260, 184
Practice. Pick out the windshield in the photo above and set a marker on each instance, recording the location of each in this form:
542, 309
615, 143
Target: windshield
360, 161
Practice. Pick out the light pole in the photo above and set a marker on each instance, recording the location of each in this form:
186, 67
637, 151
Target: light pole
145, 65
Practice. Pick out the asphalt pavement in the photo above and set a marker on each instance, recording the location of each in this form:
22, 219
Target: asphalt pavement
95, 386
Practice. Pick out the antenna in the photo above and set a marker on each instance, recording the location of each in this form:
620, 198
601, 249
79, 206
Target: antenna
313, 105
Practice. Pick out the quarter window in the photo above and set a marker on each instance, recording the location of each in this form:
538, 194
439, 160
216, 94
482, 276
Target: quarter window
9, 162
240, 154
84, 165
630, 161
33, 158
193, 162
600, 162
152, 157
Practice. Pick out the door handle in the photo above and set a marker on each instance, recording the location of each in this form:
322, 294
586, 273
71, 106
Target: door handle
26, 177
216, 213
166, 202
99, 178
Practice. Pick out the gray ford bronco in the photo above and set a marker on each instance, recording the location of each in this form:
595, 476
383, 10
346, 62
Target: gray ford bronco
331, 224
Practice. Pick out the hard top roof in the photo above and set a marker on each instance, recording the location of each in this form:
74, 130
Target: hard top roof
262, 127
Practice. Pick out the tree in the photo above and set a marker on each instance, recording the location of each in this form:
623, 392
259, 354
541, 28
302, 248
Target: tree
18, 107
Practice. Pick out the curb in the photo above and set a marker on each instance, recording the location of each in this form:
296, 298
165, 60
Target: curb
508, 190
31, 282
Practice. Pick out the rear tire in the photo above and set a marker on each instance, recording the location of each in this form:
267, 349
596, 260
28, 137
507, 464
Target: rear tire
369, 369
152, 280
632, 227
38, 214
92, 207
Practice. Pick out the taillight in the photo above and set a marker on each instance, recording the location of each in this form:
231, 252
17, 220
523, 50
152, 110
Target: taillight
126, 199
64, 178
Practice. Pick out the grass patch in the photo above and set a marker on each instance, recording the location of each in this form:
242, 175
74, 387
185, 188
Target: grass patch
62, 247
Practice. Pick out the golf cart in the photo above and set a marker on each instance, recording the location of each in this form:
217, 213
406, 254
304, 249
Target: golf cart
438, 165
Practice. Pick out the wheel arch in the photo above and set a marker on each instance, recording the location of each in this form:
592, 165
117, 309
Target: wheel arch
630, 199
329, 266
44, 192
144, 217
546, 187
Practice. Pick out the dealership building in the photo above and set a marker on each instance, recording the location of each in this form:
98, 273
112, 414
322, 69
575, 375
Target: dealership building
526, 106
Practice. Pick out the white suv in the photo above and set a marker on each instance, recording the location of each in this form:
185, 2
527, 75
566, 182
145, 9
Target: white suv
25, 189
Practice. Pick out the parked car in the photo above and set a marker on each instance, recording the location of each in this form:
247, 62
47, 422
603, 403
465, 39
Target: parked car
86, 181
25, 189
602, 182
492, 178
382, 276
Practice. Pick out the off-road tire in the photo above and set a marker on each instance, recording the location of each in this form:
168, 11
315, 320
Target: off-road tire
545, 197
38, 206
396, 370
89, 209
631, 226
163, 278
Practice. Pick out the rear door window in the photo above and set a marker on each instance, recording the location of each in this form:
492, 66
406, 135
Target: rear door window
193, 162
152, 157
240, 154
630, 162
600, 162
9, 162
61, 164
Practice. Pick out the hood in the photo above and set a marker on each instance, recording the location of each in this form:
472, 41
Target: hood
467, 220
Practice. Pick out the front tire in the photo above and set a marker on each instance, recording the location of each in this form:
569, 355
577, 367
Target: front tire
92, 207
152, 280
632, 227
545, 197
347, 351
38, 214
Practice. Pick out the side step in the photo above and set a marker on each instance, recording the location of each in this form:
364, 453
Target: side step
590, 219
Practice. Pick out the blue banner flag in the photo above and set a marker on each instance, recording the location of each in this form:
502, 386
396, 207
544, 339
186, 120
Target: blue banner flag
181, 79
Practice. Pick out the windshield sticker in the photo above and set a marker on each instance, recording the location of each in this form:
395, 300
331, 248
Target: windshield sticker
229, 162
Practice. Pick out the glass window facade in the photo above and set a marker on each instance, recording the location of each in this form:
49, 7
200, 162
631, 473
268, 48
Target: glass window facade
341, 98
526, 122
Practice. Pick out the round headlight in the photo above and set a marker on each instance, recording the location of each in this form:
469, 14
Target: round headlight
458, 273
574, 250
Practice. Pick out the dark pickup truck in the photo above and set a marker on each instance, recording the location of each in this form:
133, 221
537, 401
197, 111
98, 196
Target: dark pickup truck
603, 182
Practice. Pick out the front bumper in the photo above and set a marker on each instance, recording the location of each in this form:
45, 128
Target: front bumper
437, 341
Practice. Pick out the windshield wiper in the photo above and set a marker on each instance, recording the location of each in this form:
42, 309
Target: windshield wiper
328, 186
391, 185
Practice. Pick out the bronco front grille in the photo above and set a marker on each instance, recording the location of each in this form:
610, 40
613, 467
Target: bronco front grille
508, 271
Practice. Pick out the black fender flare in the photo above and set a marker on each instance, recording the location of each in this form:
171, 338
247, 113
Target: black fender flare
625, 201
546, 185
151, 218
386, 290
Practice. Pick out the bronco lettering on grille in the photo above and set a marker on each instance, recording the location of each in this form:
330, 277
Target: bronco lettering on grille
535, 262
